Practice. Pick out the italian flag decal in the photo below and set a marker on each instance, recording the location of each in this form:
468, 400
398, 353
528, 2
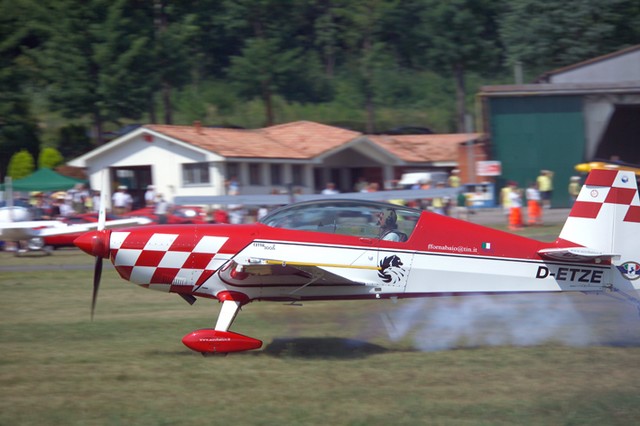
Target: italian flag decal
486, 246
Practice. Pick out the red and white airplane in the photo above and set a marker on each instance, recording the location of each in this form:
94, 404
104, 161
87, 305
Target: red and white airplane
354, 249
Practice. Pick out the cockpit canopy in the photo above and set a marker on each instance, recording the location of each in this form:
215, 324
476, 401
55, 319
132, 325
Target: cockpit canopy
357, 218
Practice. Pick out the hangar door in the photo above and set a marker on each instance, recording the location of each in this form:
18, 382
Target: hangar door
621, 138
533, 133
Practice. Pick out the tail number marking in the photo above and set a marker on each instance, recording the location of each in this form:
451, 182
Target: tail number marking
592, 276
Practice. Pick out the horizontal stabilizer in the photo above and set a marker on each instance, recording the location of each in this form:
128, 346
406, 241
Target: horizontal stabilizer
576, 254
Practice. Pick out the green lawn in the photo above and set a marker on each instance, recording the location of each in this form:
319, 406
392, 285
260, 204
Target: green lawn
527, 359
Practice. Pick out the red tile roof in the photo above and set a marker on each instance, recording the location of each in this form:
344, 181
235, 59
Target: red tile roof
423, 148
305, 140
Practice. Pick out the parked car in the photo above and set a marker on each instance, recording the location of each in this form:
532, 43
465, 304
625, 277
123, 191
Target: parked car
177, 214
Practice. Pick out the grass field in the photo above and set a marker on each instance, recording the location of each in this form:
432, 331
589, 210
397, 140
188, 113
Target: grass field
532, 360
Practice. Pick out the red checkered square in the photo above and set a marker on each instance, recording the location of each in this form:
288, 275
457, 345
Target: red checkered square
198, 260
620, 196
149, 258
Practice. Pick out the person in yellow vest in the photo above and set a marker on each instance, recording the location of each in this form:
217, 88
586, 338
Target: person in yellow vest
574, 188
545, 186
504, 198
454, 179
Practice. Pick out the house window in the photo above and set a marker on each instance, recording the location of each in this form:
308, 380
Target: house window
233, 171
255, 177
195, 173
297, 174
276, 174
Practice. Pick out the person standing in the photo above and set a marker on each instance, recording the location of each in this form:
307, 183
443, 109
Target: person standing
574, 188
330, 189
534, 210
515, 207
462, 207
161, 210
454, 179
150, 196
504, 198
122, 201
545, 186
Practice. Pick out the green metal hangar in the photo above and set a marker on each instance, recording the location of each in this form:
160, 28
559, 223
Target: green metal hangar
583, 112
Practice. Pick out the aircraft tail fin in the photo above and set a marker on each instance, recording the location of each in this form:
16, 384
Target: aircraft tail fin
606, 219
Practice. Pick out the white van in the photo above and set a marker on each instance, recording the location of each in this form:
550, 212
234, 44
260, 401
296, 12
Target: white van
417, 178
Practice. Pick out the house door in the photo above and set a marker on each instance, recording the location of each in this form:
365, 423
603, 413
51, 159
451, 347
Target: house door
135, 178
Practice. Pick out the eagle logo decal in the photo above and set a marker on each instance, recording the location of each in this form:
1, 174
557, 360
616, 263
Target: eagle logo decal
391, 270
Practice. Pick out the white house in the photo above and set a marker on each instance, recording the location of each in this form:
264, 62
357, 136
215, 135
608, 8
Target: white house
196, 160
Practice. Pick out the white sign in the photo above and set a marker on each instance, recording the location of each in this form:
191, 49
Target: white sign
488, 168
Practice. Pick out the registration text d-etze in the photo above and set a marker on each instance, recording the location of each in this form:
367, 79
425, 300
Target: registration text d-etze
580, 275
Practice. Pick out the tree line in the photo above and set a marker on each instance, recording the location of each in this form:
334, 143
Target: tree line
73, 65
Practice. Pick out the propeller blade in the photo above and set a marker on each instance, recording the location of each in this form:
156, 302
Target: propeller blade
97, 274
102, 211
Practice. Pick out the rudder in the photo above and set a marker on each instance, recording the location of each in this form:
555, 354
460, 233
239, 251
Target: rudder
606, 218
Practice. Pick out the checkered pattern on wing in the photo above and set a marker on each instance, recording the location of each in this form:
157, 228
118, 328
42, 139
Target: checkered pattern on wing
159, 258
607, 187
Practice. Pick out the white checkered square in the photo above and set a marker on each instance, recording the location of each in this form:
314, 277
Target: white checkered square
160, 242
142, 274
126, 257
174, 259
117, 238
218, 260
208, 244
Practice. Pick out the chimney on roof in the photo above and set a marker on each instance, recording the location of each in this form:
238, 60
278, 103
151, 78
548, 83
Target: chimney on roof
198, 126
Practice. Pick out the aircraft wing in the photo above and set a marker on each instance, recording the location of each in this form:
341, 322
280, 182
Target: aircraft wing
24, 230
282, 199
576, 254
20, 231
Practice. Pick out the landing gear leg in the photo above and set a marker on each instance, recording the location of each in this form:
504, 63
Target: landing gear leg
230, 309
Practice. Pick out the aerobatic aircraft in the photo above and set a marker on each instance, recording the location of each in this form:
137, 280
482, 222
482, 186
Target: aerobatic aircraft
359, 249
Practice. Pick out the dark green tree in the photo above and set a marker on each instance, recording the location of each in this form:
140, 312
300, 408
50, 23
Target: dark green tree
73, 141
18, 126
21, 164
273, 60
49, 158
261, 69
545, 35
459, 36
172, 33
367, 54
94, 62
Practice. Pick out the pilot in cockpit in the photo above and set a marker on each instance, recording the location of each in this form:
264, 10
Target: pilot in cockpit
389, 227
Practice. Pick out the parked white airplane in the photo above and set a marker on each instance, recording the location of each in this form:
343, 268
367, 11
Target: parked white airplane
16, 226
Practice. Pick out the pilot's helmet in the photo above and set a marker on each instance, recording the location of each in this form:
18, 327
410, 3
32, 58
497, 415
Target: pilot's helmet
391, 219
